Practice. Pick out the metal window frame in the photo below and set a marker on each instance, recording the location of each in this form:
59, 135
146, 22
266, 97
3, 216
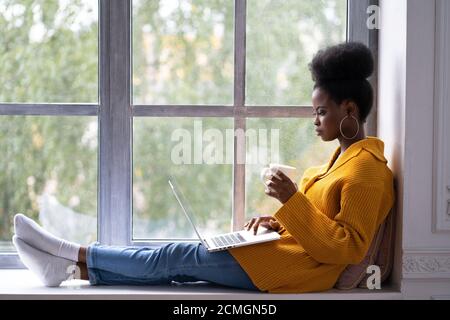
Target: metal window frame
357, 30
116, 113
115, 164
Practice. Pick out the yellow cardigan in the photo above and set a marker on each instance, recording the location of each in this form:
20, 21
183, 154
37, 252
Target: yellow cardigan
328, 224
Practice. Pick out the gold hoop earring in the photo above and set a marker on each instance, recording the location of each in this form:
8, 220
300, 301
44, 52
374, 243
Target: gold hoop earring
340, 127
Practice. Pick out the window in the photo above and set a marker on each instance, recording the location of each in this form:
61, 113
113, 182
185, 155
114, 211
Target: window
101, 102
48, 117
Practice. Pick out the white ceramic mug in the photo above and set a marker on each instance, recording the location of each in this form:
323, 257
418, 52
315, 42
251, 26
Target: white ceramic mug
268, 172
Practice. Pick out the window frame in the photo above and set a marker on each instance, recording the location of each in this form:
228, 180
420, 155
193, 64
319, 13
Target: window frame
115, 113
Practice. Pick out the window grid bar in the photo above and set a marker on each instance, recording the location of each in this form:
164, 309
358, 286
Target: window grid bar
120, 93
239, 52
105, 146
10, 260
115, 124
279, 112
43, 109
221, 111
238, 201
238, 218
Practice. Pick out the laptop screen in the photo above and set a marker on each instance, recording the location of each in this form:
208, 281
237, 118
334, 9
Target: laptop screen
185, 206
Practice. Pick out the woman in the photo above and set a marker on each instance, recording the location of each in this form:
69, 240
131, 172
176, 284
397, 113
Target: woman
325, 224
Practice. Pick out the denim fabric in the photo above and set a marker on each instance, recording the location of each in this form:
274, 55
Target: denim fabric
179, 262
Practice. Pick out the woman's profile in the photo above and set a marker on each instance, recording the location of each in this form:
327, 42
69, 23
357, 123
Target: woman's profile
327, 221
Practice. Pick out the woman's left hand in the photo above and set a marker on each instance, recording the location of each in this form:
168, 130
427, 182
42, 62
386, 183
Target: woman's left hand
280, 187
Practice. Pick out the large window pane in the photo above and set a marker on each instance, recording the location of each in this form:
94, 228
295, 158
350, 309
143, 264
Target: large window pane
298, 146
48, 171
282, 37
198, 152
49, 51
183, 52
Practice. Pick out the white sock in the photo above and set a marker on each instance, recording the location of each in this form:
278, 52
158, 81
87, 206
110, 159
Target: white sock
29, 231
50, 270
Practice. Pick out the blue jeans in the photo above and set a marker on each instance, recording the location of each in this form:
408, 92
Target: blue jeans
180, 262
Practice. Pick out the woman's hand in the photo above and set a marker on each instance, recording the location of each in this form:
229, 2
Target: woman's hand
280, 187
268, 222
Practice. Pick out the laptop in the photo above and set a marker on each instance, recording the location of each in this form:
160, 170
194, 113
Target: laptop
227, 240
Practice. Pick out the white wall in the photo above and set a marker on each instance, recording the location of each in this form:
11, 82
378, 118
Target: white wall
391, 103
406, 104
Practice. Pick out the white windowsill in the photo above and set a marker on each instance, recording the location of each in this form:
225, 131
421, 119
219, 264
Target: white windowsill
22, 284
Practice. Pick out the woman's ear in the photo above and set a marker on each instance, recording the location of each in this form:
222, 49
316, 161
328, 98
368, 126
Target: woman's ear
350, 108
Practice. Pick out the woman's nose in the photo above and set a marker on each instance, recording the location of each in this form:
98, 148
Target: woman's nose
316, 121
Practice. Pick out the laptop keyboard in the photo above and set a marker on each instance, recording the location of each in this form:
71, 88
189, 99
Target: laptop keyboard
228, 239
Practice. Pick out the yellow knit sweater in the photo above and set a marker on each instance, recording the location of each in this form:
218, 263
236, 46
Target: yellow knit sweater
328, 224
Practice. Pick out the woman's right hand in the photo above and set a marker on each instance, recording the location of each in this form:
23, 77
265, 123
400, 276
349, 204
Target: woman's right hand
267, 222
